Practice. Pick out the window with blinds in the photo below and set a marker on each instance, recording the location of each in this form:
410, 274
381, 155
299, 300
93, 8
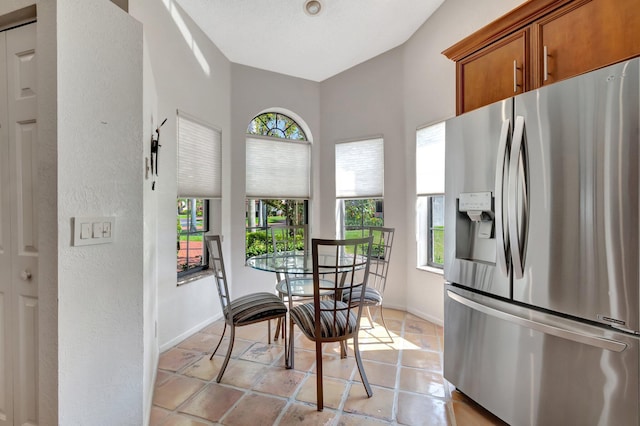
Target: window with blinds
360, 169
199, 178
277, 168
199, 159
278, 178
359, 186
430, 150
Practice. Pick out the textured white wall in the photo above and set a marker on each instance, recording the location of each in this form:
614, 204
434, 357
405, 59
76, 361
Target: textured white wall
254, 91
150, 237
100, 172
48, 214
191, 75
361, 102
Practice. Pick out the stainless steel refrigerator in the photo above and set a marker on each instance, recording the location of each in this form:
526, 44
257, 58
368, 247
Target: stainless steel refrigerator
542, 301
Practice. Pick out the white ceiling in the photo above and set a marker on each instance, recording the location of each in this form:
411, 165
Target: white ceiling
277, 35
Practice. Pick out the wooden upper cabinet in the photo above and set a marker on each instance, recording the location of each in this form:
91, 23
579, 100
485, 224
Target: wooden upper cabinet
549, 40
494, 73
583, 36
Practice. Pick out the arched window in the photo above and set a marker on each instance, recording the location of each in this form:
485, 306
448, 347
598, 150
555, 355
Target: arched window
276, 125
278, 159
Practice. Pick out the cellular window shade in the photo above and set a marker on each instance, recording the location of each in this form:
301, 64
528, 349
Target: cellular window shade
199, 159
277, 168
430, 159
360, 169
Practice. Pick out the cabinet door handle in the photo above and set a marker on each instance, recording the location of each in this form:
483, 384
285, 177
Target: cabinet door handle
515, 76
545, 54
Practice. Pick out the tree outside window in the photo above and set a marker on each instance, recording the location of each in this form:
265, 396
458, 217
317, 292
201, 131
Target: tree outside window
360, 214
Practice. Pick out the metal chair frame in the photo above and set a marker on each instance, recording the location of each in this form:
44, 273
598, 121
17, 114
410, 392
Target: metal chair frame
336, 319
231, 309
380, 259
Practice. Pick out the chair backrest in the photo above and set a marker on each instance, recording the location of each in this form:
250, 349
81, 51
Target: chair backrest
217, 263
341, 267
380, 256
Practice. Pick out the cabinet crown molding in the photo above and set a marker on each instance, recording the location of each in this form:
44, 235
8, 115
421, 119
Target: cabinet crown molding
518, 18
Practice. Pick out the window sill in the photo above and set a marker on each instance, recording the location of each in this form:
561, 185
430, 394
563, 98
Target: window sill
194, 277
431, 269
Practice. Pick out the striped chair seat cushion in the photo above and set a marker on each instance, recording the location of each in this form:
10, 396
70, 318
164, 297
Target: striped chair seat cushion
254, 307
304, 316
371, 296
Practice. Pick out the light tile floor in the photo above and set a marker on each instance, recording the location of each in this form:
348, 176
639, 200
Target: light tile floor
256, 389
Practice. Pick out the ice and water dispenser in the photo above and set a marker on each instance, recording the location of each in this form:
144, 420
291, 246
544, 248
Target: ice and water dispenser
475, 230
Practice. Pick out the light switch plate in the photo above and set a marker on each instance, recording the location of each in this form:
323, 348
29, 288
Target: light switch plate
93, 230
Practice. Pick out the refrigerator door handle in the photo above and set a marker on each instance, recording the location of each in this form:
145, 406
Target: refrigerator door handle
502, 234
517, 194
558, 331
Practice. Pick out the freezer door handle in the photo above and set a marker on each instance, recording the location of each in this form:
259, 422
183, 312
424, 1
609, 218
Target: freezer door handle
502, 235
518, 197
563, 333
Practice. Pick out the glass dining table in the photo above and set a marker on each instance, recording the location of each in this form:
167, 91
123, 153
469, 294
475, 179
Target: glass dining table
298, 266
295, 272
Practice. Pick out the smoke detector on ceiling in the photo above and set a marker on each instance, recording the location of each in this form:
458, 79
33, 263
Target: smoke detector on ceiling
312, 7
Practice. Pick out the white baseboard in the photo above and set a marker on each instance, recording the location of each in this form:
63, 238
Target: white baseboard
425, 316
171, 343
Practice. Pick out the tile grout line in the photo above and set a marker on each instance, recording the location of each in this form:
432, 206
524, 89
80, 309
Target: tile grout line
396, 387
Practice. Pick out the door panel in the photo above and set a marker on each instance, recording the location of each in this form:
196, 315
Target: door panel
472, 145
582, 249
26, 392
494, 73
6, 322
25, 158
612, 36
18, 228
22, 109
4, 163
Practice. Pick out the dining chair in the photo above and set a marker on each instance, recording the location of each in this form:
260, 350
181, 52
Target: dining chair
380, 258
244, 310
340, 267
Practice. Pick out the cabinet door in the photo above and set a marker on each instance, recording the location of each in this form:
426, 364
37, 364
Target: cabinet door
584, 36
494, 73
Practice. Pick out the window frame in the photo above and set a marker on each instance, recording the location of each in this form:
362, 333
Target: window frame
204, 264
198, 179
265, 226
431, 240
342, 208
429, 185
290, 150
359, 176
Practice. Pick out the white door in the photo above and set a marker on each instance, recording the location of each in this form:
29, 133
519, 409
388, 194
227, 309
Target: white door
18, 228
